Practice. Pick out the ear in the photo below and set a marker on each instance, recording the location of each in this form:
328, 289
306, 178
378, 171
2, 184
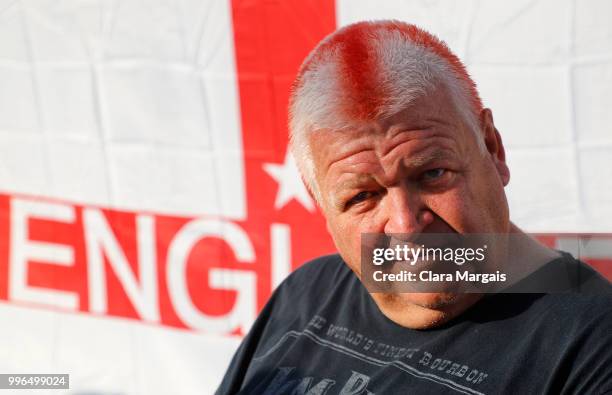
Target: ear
494, 145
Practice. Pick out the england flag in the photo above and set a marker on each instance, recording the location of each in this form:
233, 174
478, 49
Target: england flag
149, 205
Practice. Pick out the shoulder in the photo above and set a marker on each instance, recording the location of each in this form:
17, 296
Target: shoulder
316, 276
583, 278
579, 292
564, 274
290, 307
579, 310
327, 266
582, 302
579, 327
566, 298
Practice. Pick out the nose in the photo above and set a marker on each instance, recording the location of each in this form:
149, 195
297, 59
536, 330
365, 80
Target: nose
405, 212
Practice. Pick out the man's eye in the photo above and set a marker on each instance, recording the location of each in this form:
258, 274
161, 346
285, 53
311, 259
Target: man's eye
360, 197
433, 174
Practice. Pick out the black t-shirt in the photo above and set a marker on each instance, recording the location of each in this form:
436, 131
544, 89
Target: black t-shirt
322, 333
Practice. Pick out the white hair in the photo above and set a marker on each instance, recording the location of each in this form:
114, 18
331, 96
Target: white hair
367, 71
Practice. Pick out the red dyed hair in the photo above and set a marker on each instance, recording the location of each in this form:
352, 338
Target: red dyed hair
359, 63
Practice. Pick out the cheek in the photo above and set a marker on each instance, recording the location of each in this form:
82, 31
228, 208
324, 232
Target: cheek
452, 207
463, 206
475, 205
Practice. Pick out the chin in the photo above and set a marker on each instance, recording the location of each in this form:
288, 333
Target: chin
433, 300
423, 310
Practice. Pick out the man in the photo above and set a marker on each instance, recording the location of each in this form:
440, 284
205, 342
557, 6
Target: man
391, 138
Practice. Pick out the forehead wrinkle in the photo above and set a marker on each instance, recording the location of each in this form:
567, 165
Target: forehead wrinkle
419, 127
383, 174
346, 155
430, 151
348, 143
423, 158
356, 179
401, 135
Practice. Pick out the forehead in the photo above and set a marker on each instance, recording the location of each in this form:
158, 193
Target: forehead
428, 119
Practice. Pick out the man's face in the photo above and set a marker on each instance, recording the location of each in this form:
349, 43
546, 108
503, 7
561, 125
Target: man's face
420, 171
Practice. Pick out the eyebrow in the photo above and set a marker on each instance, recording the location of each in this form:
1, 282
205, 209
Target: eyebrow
357, 180
423, 158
